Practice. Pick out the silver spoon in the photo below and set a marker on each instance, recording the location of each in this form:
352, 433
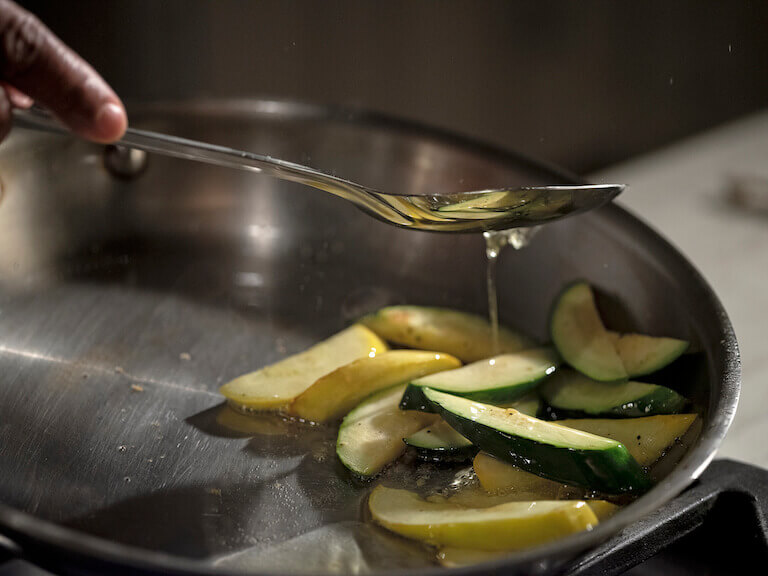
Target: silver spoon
472, 211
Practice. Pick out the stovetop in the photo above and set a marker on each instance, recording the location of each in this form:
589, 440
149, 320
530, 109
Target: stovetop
718, 527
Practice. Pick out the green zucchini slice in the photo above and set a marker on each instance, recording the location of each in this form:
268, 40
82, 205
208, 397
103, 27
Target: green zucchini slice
543, 448
530, 404
580, 337
573, 395
643, 354
440, 442
500, 379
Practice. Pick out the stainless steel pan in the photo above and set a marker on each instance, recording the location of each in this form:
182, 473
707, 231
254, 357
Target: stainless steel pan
124, 304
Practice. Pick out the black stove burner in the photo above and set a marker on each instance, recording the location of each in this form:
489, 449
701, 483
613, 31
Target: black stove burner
717, 527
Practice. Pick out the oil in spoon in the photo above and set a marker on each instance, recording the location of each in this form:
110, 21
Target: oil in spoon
495, 241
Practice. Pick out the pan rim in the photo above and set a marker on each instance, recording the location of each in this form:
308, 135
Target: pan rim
34, 537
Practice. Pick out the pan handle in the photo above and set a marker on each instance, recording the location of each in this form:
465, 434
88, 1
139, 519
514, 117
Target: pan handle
8, 550
727, 490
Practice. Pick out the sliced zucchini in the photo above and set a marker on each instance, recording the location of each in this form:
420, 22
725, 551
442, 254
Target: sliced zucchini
647, 439
543, 448
466, 336
529, 404
371, 435
573, 395
580, 337
499, 379
275, 386
511, 526
335, 394
441, 442
643, 355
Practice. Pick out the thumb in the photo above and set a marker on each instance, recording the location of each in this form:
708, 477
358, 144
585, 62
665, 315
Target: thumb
36, 62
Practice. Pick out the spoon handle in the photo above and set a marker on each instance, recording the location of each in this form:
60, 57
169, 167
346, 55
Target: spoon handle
38, 119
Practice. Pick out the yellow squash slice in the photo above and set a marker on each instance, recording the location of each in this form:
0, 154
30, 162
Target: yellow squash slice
466, 336
646, 438
511, 526
335, 394
275, 386
499, 477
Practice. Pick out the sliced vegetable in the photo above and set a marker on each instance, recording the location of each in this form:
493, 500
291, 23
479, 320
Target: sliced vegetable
511, 526
529, 404
466, 336
603, 509
441, 442
647, 438
474, 496
543, 448
580, 337
477, 497
275, 386
452, 557
643, 355
571, 394
500, 477
505, 481
498, 379
371, 435
335, 394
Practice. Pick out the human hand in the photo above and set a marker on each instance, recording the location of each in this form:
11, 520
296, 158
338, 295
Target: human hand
36, 66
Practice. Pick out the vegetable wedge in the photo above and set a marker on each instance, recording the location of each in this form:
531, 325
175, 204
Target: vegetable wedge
275, 386
466, 336
544, 448
511, 526
335, 394
371, 435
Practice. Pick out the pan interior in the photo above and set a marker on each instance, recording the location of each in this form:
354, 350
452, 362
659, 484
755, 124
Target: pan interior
125, 304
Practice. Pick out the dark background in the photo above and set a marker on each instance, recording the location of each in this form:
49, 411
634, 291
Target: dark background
584, 84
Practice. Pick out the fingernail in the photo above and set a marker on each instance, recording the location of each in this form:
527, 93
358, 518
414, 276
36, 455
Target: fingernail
111, 122
22, 101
